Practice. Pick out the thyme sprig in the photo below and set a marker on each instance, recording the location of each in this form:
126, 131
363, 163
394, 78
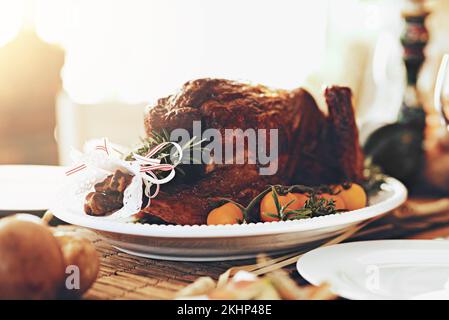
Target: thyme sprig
320, 206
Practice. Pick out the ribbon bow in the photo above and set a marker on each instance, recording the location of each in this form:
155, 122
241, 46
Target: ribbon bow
148, 166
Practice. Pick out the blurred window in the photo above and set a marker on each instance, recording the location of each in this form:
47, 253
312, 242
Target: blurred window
134, 51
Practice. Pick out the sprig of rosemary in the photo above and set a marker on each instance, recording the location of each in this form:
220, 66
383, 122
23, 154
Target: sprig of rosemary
314, 206
284, 212
156, 138
148, 143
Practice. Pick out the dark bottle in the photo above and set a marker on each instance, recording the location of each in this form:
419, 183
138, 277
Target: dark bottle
398, 148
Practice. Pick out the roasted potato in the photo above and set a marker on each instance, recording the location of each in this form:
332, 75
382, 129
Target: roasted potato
81, 253
31, 261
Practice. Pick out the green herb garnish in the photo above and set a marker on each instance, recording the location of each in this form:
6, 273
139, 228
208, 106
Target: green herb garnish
374, 177
156, 138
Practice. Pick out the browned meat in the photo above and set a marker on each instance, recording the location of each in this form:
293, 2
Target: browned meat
344, 134
108, 195
313, 149
328, 148
101, 204
223, 104
190, 204
116, 182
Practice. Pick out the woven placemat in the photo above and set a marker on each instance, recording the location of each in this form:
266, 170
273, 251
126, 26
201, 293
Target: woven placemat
123, 276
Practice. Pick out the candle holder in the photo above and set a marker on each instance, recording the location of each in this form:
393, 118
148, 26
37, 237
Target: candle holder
398, 148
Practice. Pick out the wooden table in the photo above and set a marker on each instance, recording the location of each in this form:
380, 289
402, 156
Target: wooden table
123, 276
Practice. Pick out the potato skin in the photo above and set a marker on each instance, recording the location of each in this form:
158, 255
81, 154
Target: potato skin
31, 261
80, 252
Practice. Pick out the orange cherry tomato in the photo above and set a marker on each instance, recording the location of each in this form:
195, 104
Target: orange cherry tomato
339, 202
228, 213
354, 197
268, 206
300, 199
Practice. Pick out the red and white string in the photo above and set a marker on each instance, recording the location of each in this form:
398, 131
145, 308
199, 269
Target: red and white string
148, 167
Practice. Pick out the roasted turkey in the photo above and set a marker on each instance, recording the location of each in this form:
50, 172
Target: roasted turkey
314, 148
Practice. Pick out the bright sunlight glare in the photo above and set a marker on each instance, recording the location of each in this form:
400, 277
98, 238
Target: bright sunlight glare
11, 19
138, 50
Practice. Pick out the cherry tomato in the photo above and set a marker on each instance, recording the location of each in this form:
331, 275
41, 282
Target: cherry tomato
228, 213
354, 197
268, 205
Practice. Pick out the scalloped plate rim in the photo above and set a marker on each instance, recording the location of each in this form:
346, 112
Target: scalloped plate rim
253, 229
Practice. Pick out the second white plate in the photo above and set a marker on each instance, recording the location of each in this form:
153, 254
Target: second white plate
25, 188
384, 269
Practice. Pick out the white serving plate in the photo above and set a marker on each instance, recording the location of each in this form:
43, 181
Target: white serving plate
384, 269
230, 242
25, 188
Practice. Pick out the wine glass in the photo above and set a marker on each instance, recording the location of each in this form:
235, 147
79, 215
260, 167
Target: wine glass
437, 164
441, 94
